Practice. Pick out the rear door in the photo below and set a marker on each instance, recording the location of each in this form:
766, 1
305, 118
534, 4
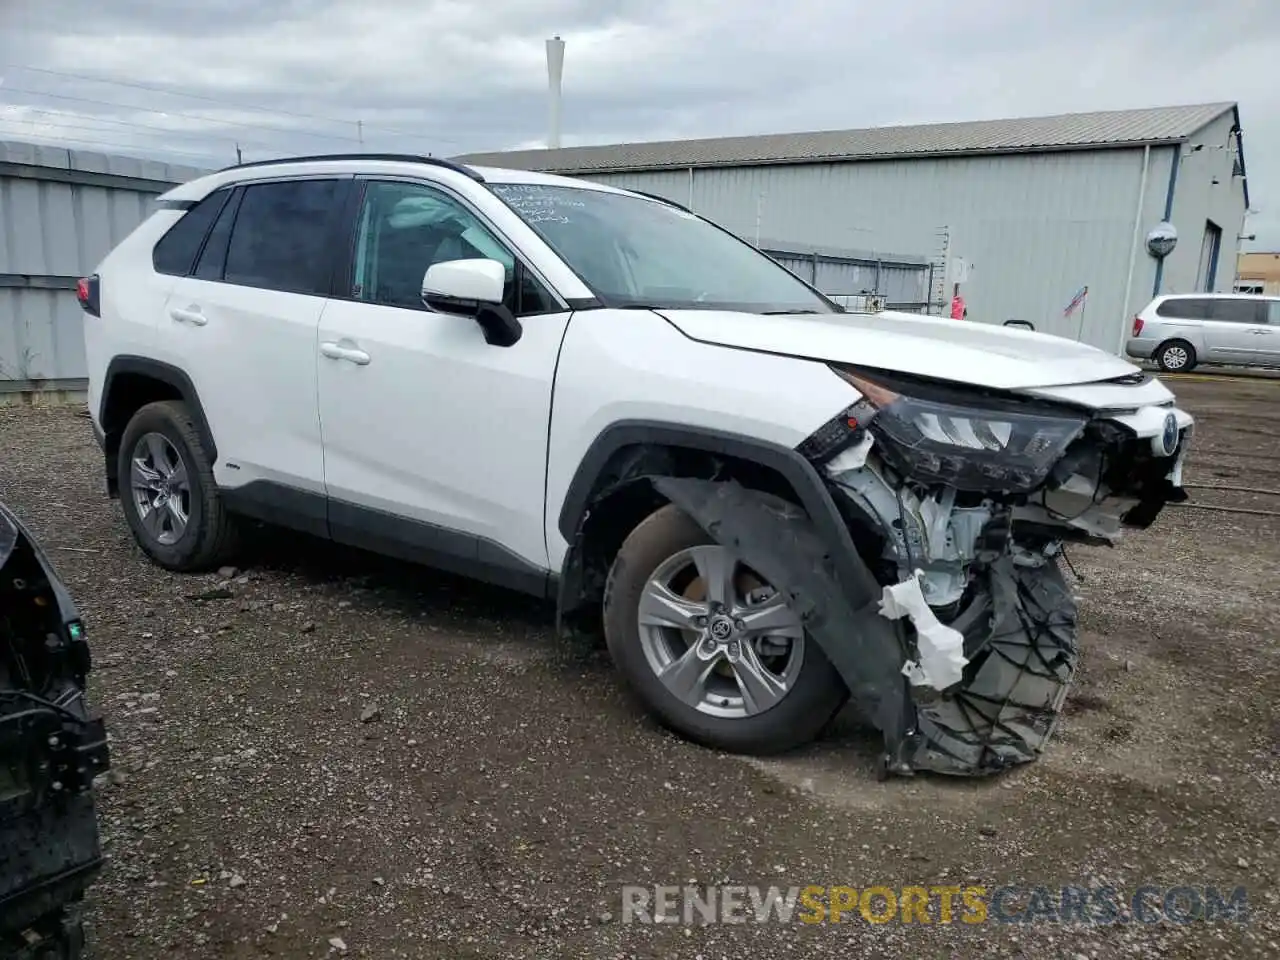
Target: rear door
1234, 329
243, 325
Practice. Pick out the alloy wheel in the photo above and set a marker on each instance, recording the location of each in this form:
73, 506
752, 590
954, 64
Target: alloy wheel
719, 637
161, 487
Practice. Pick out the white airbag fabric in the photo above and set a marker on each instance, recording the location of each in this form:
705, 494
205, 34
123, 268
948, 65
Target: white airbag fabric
941, 648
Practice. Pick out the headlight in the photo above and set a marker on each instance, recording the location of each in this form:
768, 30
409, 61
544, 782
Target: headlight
936, 434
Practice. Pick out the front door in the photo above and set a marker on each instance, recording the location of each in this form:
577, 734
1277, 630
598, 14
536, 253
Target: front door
435, 442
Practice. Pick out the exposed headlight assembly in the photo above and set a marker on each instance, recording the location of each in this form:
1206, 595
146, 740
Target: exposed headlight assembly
934, 433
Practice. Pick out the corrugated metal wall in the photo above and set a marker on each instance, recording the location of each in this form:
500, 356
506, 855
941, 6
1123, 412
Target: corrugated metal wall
902, 284
61, 211
1036, 227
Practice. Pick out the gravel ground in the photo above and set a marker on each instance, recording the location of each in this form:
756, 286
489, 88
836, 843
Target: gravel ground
326, 754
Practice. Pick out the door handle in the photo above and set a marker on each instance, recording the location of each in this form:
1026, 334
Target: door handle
1261, 333
335, 351
191, 315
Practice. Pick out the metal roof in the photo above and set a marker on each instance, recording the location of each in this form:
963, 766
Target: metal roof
1072, 131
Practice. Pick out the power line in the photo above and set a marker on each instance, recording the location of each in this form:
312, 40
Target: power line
167, 131
291, 131
171, 93
134, 148
222, 102
54, 135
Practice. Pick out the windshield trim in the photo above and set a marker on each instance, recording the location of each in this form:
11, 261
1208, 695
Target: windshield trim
605, 300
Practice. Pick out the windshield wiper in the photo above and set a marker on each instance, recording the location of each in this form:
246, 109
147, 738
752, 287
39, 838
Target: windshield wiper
785, 313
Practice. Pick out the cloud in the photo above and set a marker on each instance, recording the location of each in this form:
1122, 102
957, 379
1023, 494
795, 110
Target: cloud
455, 76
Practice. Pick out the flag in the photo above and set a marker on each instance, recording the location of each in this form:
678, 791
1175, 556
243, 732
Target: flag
1076, 301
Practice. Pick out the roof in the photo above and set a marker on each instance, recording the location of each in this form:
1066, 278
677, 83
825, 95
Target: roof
1072, 131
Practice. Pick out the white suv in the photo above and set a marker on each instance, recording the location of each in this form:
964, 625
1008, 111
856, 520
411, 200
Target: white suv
600, 397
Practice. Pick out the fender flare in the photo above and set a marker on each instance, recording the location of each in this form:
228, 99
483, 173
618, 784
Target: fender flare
165, 373
815, 498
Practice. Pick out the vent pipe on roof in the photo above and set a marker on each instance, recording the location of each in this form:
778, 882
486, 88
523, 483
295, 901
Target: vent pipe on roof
555, 72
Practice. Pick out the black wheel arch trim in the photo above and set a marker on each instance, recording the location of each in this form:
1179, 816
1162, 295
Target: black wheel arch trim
815, 498
166, 373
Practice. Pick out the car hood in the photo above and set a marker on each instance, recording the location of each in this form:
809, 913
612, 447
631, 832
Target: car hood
1004, 358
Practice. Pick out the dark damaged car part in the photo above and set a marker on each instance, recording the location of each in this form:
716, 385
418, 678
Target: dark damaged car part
51, 747
922, 556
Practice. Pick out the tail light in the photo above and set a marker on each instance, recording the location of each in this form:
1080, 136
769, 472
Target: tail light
1137, 325
87, 290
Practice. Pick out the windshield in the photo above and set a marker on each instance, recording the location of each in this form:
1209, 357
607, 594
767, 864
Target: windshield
632, 251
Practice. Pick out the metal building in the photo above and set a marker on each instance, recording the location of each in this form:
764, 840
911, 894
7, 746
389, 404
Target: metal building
61, 211
1038, 209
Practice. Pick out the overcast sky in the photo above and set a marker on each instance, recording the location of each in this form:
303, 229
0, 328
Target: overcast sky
185, 80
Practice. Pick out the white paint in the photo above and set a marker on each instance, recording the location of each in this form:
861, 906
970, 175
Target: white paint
479, 280
983, 354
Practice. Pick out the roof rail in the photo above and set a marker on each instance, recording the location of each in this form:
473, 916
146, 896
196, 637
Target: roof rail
401, 157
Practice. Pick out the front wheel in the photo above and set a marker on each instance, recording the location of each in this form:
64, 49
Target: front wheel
710, 647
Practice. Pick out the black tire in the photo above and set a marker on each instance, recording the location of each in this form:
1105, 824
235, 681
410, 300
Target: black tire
1169, 351
210, 537
798, 718
1015, 685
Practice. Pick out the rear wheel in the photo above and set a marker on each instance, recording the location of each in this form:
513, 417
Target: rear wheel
170, 500
1176, 356
710, 647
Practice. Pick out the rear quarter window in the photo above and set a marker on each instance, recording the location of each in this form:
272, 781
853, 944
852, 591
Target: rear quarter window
177, 250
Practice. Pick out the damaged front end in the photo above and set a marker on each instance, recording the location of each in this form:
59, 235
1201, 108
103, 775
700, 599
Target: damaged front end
51, 748
952, 624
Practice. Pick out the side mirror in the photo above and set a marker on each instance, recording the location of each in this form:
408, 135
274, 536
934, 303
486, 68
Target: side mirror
473, 288
460, 286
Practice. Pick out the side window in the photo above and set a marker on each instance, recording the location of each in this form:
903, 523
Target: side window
1185, 308
280, 240
404, 228
1273, 313
213, 259
1239, 311
177, 249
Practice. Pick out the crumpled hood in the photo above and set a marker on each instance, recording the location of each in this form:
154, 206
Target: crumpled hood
980, 354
